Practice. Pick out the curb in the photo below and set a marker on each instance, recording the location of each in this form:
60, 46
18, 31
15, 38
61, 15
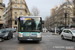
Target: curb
55, 34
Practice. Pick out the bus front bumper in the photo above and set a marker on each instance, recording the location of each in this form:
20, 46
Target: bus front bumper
29, 39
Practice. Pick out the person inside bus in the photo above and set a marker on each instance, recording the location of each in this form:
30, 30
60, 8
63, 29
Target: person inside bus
33, 25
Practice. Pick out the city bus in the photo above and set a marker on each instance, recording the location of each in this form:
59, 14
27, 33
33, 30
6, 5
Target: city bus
29, 28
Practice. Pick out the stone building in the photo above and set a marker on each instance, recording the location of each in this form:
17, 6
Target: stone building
15, 9
2, 7
58, 18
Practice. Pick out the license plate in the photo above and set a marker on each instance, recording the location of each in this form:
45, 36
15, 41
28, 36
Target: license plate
33, 35
29, 39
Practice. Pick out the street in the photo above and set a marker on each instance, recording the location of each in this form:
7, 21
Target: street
49, 42
27, 19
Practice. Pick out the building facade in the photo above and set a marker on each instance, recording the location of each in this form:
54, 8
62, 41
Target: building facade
58, 17
2, 7
15, 9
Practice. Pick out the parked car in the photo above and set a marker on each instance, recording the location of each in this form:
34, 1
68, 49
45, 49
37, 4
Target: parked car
5, 34
1, 36
12, 29
8, 34
68, 34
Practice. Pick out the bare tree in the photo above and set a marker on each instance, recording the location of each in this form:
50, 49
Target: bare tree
47, 22
35, 11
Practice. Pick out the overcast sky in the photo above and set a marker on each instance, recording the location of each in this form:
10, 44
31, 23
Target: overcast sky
43, 5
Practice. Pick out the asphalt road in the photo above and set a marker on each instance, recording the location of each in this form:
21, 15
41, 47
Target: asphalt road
49, 42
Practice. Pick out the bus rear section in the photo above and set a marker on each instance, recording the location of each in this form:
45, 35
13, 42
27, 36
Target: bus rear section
29, 29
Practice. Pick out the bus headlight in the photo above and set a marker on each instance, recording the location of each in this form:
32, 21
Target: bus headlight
20, 35
39, 35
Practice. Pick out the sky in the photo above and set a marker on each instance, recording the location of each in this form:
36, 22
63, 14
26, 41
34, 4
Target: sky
44, 6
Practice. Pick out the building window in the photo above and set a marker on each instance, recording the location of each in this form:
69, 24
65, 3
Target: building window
15, 20
15, 6
15, 12
21, 1
25, 10
15, 1
21, 6
21, 12
0, 16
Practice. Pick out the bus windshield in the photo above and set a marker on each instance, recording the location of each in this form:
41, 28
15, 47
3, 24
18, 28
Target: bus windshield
29, 24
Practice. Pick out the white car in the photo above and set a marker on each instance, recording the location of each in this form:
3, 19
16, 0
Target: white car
68, 34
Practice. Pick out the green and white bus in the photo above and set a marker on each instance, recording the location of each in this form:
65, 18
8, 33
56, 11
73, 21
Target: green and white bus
29, 28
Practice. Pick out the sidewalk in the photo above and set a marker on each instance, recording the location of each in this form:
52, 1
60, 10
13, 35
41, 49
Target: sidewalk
50, 33
55, 34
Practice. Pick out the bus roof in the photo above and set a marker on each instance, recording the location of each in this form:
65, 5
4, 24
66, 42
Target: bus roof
30, 16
